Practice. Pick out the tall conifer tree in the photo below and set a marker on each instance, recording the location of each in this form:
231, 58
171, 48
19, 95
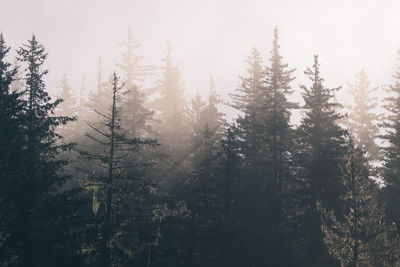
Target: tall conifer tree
35, 228
391, 170
133, 70
362, 238
322, 148
11, 150
171, 108
68, 107
362, 118
123, 217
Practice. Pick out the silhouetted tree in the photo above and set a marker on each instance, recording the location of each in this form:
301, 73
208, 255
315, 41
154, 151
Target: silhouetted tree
322, 148
391, 170
123, 217
11, 150
249, 99
35, 188
267, 142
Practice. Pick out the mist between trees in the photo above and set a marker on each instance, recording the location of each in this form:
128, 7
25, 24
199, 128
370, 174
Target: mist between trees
133, 175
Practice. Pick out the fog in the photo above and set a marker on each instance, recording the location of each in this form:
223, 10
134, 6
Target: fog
151, 165
211, 37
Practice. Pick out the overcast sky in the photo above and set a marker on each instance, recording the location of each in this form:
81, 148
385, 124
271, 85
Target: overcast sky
211, 36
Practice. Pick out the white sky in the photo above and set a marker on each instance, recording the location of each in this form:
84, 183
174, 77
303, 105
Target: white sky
211, 36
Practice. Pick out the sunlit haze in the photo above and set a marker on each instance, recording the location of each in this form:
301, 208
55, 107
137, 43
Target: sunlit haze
211, 37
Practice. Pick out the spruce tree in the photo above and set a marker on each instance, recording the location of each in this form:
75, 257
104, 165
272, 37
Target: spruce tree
36, 187
362, 238
68, 106
137, 118
391, 170
171, 108
203, 192
122, 216
249, 100
267, 143
249, 137
362, 119
205, 117
321, 144
278, 110
11, 150
278, 138
133, 70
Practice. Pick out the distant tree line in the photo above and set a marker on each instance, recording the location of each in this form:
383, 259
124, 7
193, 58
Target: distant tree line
142, 176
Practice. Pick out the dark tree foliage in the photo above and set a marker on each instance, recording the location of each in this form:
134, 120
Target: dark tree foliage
321, 150
11, 150
266, 137
257, 192
278, 136
249, 100
391, 169
122, 216
37, 204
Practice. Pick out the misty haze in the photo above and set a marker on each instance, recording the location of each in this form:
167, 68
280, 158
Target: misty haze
199, 133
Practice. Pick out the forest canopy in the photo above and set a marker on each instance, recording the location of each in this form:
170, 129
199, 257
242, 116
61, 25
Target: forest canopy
130, 169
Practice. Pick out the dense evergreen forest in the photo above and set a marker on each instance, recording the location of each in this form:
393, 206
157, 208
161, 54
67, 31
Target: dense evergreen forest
131, 175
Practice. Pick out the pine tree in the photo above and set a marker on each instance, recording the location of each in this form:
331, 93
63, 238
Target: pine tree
11, 150
134, 71
123, 217
249, 99
278, 110
361, 118
321, 143
171, 111
391, 170
211, 196
205, 117
68, 106
362, 238
267, 142
278, 139
202, 191
249, 137
33, 234
137, 118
